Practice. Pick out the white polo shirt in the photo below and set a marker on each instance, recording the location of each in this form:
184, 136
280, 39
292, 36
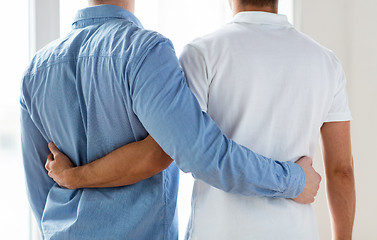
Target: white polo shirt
270, 88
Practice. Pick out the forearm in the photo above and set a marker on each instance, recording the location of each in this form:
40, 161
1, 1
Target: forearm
337, 156
126, 165
342, 199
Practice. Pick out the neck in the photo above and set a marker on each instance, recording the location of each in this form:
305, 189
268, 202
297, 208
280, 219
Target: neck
129, 5
237, 8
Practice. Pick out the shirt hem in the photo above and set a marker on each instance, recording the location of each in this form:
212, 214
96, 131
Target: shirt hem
339, 117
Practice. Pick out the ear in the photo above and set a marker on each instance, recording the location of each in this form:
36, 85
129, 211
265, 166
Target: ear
231, 4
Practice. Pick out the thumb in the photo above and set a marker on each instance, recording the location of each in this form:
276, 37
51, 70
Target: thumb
54, 150
48, 162
311, 161
308, 160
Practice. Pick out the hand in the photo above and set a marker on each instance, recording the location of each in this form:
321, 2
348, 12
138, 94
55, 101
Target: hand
312, 181
59, 167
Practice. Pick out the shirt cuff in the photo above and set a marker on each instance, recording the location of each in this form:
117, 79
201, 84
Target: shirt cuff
339, 117
296, 183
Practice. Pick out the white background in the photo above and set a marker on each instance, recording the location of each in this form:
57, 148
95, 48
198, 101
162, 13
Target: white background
14, 219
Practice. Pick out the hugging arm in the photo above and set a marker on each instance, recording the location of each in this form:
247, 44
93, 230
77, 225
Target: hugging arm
171, 114
126, 165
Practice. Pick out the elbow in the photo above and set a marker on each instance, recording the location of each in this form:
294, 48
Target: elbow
158, 163
162, 165
345, 172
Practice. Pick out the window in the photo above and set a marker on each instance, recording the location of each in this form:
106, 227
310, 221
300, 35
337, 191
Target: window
14, 221
68, 10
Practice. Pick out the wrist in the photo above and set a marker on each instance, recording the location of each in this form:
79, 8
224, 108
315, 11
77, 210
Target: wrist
73, 178
297, 179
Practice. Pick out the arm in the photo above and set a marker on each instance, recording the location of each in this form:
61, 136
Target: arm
199, 77
135, 162
171, 114
280, 179
126, 165
336, 144
34, 151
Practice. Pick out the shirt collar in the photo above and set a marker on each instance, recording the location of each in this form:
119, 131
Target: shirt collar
261, 18
102, 13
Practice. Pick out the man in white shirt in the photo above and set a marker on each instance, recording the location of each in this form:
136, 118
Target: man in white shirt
271, 87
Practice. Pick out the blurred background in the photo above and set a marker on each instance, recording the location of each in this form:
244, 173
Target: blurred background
348, 27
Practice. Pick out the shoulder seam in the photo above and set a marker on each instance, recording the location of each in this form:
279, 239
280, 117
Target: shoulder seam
144, 54
209, 73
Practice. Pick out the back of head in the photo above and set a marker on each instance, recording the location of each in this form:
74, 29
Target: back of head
259, 3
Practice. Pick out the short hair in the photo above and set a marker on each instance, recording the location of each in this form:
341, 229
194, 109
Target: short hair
259, 3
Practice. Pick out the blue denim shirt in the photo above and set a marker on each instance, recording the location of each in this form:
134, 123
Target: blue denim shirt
107, 83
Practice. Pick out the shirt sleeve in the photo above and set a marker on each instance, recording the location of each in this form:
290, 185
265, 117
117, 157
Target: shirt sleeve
339, 110
171, 114
34, 153
196, 73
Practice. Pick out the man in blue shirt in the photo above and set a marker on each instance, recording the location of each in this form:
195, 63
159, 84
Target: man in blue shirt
107, 83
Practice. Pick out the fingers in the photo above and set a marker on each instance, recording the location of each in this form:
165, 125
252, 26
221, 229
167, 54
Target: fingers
304, 200
319, 177
309, 200
54, 150
308, 160
50, 158
305, 161
312, 184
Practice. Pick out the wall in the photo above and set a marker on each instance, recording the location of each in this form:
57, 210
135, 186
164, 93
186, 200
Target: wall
348, 27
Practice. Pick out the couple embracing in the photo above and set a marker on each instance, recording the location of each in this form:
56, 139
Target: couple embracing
242, 110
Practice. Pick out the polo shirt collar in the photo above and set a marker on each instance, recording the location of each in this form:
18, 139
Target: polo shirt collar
261, 18
102, 13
